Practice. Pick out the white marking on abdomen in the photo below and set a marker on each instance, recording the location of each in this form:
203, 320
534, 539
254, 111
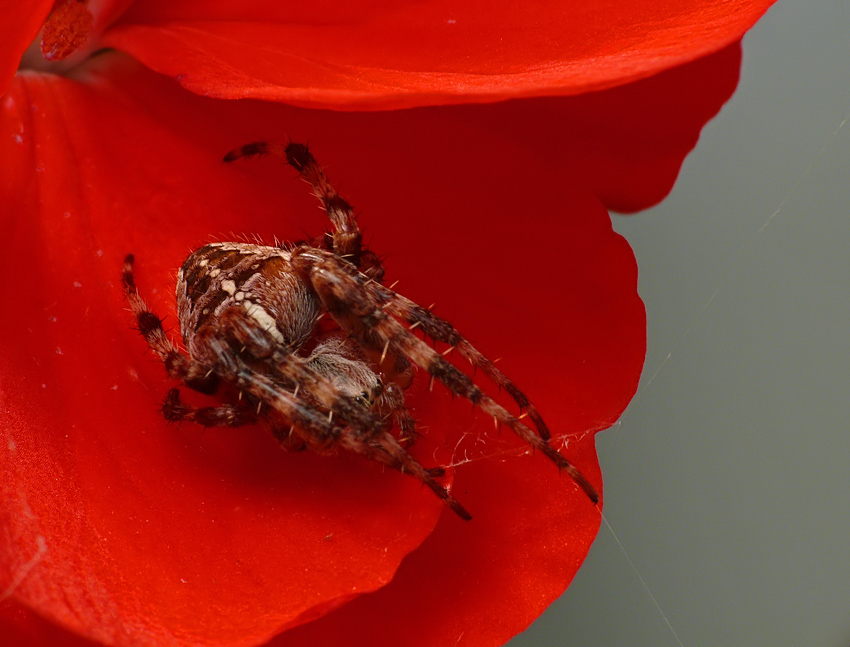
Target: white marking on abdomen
262, 317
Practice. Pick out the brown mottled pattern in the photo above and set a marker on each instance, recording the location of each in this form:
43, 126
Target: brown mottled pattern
257, 276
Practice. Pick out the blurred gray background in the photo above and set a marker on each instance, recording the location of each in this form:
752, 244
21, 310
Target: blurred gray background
728, 478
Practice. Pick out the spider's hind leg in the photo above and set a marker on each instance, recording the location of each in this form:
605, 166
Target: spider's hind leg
174, 409
387, 450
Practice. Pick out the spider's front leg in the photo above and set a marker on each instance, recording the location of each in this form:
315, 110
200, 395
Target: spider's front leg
180, 367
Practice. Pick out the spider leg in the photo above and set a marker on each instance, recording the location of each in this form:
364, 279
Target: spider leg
174, 409
319, 429
392, 398
347, 296
347, 238
441, 330
244, 357
179, 366
387, 450
225, 415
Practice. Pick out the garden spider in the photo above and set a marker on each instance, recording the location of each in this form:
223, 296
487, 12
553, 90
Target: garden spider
249, 318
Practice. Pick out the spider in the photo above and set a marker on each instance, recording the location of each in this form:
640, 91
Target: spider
250, 319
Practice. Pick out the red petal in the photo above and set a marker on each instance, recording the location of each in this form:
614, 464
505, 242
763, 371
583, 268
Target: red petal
115, 524
626, 144
19, 26
176, 536
530, 535
379, 55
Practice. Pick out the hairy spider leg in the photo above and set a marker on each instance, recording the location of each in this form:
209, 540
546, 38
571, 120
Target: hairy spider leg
393, 396
382, 448
174, 409
441, 330
341, 291
179, 366
224, 415
347, 238
387, 450
321, 431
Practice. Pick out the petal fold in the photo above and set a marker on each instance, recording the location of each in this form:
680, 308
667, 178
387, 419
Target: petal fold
18, 28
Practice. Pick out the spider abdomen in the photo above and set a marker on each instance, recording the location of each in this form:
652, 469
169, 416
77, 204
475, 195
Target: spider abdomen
255, 278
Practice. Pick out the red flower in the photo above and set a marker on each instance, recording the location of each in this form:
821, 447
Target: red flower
128, 531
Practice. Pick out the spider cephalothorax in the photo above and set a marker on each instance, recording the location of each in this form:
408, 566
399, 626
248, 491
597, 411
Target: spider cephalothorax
249, 315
